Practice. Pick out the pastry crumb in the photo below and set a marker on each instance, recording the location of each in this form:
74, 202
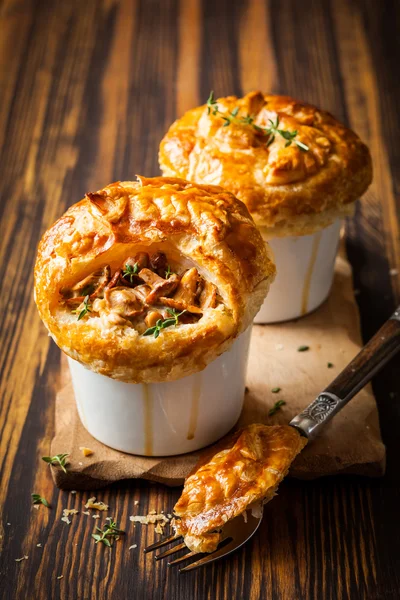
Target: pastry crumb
95, 516
60, 576
66, 520
73, 492
159, 520
133, 546
86, 451
136, 502
36, 506
69, 511
25, 557
91, 503
86, 512
393, 272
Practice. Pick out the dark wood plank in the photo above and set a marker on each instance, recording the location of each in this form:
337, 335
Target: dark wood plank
88, 90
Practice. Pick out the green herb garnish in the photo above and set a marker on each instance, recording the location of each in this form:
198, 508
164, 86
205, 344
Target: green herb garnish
59, 460
287, 135
277, 406
163, 323
37, 499
330, 365
86, 308
272, 130
168, 272
107, 535
276, 390
303, 348
129, 272
212, 106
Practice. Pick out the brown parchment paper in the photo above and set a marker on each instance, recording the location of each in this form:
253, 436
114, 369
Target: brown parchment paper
351, 443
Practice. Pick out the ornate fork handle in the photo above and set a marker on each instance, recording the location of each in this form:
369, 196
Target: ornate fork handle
375, 354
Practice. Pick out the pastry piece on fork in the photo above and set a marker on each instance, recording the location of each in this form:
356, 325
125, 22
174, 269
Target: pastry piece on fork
243, 474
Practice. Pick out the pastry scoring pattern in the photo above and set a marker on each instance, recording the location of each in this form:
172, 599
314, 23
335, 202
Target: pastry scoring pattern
295, 166
182, 260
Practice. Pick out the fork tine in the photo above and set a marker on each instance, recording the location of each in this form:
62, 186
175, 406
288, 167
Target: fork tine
170, 551
182, 558
226, 549
161, 543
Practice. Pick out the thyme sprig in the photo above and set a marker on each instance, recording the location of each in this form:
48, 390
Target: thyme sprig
59, 460
107, 535
130, 271
277, 406
228, 117
168, 272
87, 308
38, 499
271, 131
163, 323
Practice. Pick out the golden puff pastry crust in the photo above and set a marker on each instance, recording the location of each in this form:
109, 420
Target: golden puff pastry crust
247, 469
295, 180
203, 231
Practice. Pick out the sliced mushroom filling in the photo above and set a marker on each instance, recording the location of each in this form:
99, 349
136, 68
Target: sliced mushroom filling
143, 293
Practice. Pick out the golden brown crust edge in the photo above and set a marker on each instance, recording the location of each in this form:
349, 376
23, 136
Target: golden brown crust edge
281, 186
203, 224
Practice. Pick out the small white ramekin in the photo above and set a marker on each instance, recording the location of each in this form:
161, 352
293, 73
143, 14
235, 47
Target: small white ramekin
164, 419
305, 266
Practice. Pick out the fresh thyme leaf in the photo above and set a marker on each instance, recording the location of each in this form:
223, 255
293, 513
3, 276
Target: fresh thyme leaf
59, 460
212, 106
86, 308
163, 323
249, 120
276, 390
277, 406
129, 272
150, 330
330, 365
168, 272
37, 499
270, 140
303, 348
108, 534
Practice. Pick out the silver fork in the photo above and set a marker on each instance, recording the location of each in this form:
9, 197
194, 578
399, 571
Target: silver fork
375, 354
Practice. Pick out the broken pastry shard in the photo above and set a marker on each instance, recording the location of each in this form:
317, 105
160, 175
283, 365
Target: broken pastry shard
247, 469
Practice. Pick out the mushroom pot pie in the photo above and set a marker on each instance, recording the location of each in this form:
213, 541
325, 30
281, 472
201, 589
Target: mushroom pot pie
149, 283
297, 169
244, 472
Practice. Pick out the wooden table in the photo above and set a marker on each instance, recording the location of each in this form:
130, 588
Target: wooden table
87, 91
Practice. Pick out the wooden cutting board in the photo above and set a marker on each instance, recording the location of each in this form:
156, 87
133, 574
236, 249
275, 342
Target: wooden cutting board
351, 443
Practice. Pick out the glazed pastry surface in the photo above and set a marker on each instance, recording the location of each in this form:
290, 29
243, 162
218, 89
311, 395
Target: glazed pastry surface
295, 166
247, 470
151, 280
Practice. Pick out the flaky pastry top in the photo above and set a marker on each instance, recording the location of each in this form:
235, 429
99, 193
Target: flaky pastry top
246, 469
295, 166
151, 280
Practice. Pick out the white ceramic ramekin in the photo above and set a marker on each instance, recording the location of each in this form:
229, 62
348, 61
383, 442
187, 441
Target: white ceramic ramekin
164, 419
304, 266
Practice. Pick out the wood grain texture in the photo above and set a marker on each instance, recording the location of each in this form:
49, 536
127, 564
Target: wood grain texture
87, 91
